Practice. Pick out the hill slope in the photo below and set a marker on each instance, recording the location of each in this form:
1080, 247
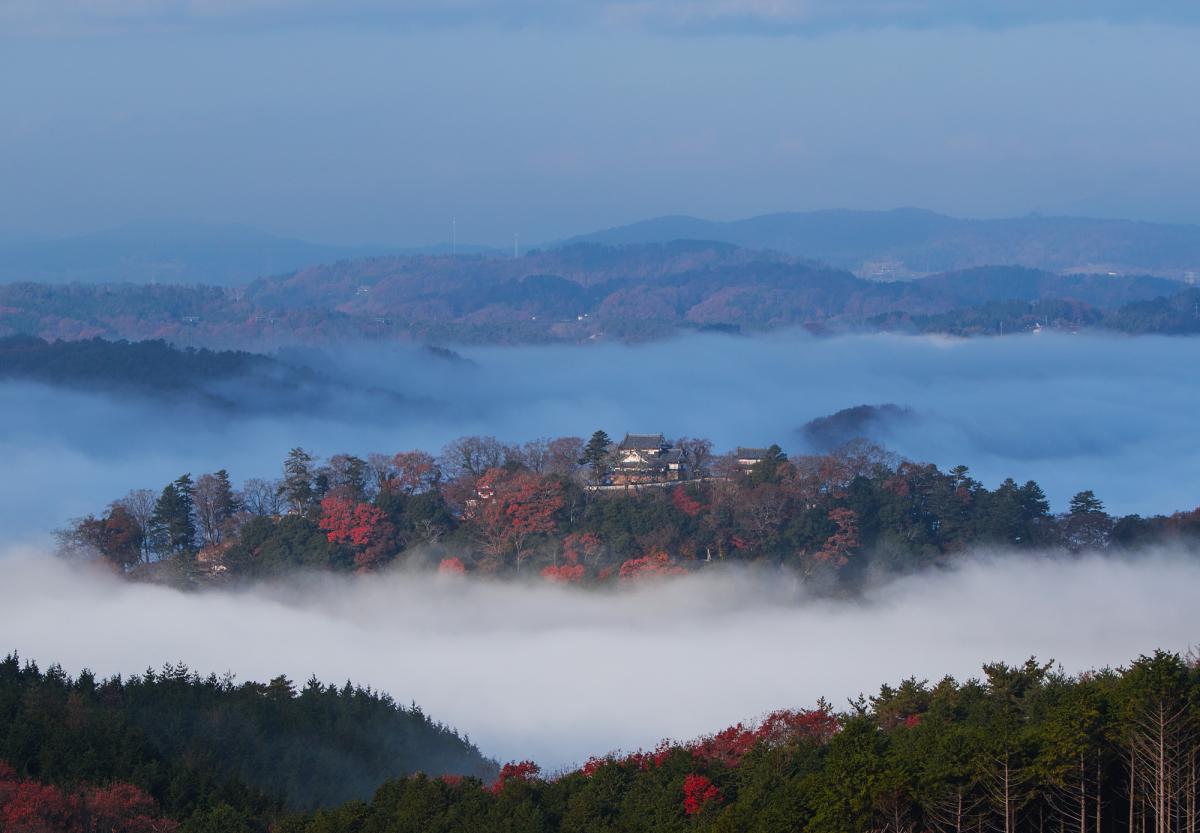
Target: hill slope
575, 293
907, 242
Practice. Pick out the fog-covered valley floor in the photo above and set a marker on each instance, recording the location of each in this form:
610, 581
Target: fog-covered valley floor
1113, 414
559, 674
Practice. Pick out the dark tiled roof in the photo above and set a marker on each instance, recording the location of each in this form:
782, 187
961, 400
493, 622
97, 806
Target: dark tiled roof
752, 453
643, 441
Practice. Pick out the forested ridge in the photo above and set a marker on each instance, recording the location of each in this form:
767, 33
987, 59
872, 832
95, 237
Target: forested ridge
540, 511
584, 292
1023, 748
198, 748
231, 380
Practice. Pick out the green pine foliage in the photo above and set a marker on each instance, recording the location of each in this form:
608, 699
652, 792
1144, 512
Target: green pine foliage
213, 747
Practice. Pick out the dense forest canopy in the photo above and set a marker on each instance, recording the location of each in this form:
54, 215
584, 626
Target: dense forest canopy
196, 743
583, 292
1023, 747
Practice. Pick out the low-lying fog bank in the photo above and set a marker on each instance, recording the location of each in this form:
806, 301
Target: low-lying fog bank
559, 674
1112, 414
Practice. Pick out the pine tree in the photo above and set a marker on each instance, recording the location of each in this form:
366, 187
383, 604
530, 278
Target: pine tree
172, 524
297, 488
596, 457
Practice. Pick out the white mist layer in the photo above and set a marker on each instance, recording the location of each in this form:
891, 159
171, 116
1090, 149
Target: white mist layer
557, 674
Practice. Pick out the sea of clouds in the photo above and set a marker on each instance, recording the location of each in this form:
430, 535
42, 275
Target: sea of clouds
559, 674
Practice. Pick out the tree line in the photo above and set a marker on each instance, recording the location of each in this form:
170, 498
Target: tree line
532, 510
1022, 748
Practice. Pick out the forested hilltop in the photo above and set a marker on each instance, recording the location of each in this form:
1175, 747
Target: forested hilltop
594, 512
208, 751
154, 369
584, 292
151, 368
1022, 748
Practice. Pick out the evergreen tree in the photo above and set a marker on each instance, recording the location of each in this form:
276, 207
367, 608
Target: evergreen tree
298, 488
172, 524
1084, 502
228, 501
596, 457
766, 470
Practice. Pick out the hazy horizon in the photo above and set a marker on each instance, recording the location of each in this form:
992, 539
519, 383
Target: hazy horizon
379, 123
19, 236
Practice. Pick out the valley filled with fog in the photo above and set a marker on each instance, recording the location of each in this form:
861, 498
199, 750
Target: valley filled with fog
560, 674
1113, 414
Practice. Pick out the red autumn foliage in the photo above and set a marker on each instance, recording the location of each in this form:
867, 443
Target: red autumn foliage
451, 780
565, 574
639, 760
452, 566
655, 565
33, 807
416, 472
593, 764
835, 552
512, 507
359, 525
685, 504
581, 547
726, 747
347, 522
699, 791
814, 725
515, 771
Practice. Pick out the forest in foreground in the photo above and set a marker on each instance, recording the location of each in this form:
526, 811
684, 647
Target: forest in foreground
547, 510
1022, 748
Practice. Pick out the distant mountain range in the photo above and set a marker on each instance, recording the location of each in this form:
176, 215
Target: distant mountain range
881, 245
175, 253
911, 242
583, 292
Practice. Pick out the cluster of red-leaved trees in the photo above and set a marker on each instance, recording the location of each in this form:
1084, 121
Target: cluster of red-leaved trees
726, 748
28, 806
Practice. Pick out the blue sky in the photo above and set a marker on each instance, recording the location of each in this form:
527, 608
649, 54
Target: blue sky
369, 121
